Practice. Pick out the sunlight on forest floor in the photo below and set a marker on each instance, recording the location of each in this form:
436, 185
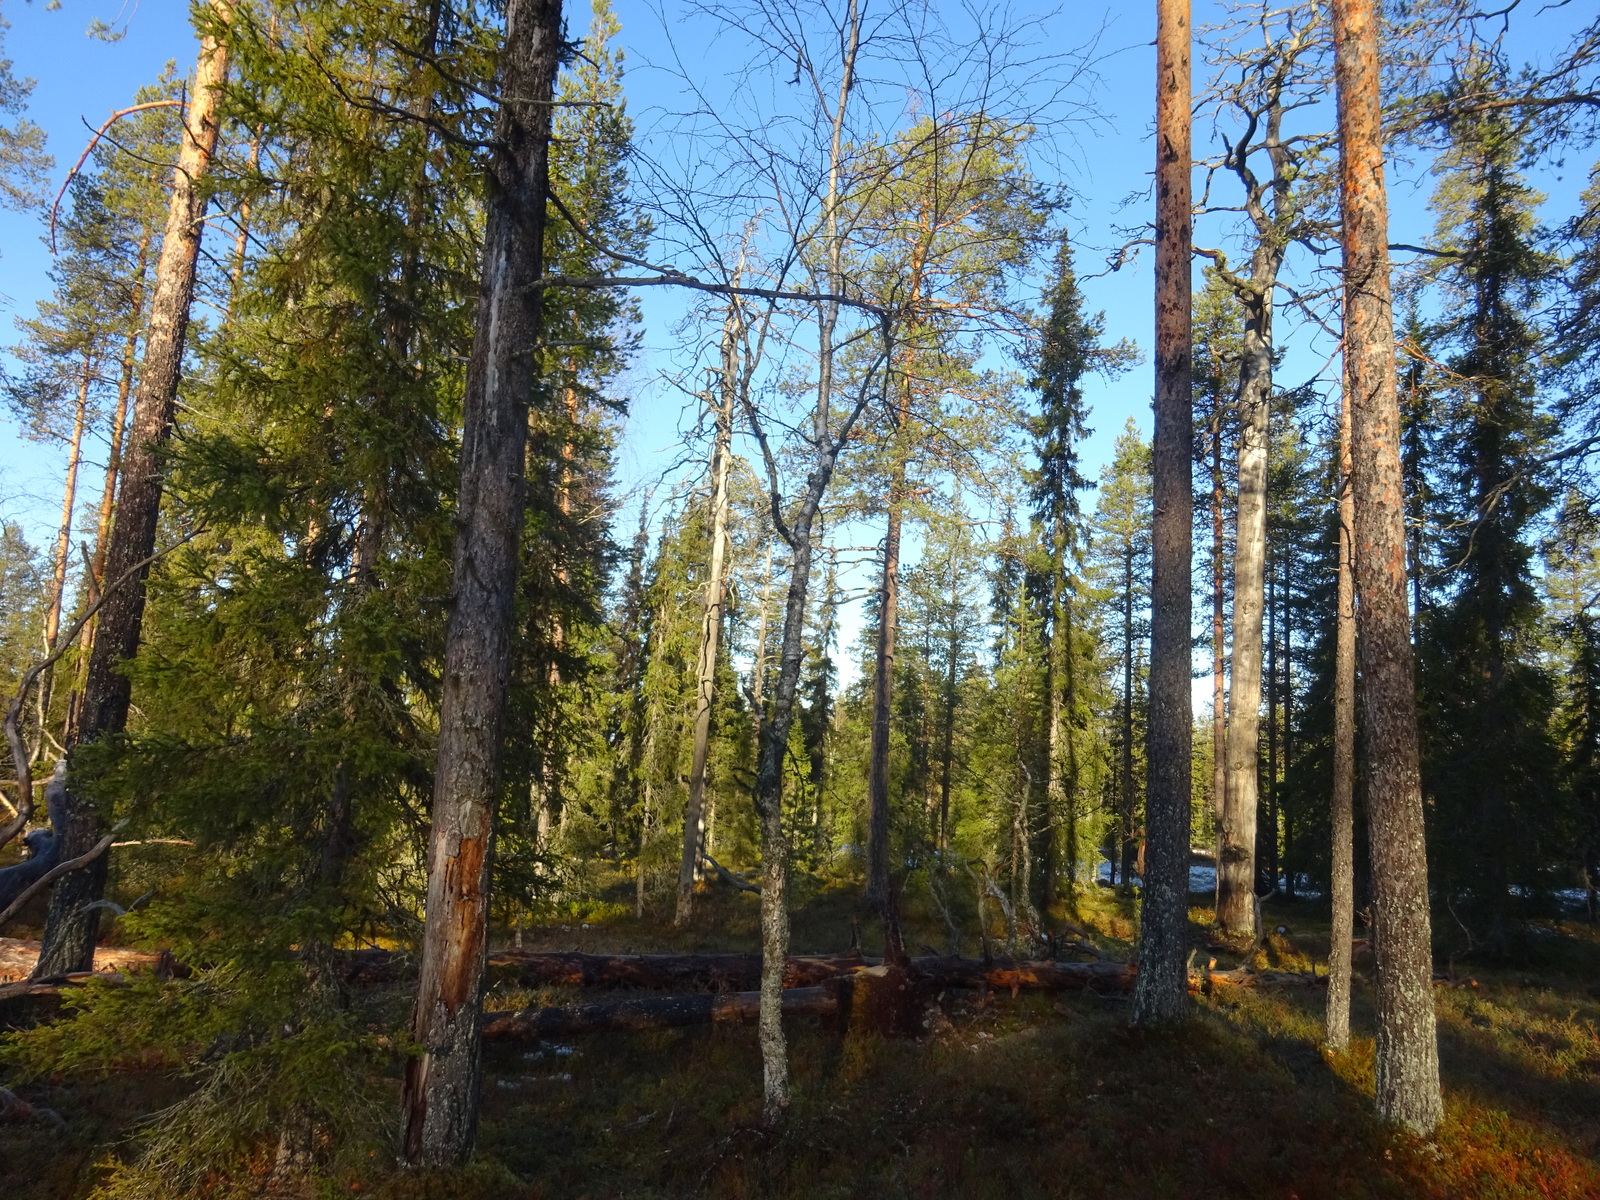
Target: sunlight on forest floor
1037, 1095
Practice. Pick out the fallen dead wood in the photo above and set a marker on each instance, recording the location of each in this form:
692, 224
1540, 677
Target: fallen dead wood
718, 972
658, 972
655, 1012
18, 956
876, 997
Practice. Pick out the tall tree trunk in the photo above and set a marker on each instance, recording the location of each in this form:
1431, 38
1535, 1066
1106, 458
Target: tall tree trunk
1219, 701
1162, 992
1125, 839
58, 574
947, 749
72, 926
1407, 1042
440, 1103
1342, 883
119, 422
710, 627
108, 490
883, 698
1274, 713
1057, 740
1069, 784
1236, 862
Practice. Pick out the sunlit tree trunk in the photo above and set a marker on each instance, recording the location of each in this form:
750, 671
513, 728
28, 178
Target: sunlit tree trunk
1342, 883
63, 552
1219, 698
443, 1079
72, 926
1407, 1057
1161, 994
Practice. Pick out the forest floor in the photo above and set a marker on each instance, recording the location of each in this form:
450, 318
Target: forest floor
1035, 1095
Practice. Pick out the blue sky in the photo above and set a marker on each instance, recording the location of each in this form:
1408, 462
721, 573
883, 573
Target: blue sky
81, 80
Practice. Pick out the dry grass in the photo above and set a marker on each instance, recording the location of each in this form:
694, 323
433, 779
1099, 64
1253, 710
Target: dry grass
1034, 1096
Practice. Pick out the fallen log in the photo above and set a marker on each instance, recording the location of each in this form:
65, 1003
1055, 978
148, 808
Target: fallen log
875, 997
654, 1012
717, 972
18, 956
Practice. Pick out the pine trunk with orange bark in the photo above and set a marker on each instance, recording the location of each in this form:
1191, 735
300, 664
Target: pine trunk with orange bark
73, 925
1161, 993
1407, 1082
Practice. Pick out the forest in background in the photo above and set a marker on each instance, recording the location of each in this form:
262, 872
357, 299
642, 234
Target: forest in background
350, 642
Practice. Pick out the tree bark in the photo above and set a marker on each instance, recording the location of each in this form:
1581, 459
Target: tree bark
710, 626
1407, 1042
72, 926
1219, 702
119, 421
1237, 860
1161, 994
440, 1102
1125, 837
948, 748
1342, 882
883, 698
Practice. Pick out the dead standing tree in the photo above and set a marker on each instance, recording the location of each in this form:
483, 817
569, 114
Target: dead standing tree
1260, 86
1407, 1042
1160, 996
440, 1103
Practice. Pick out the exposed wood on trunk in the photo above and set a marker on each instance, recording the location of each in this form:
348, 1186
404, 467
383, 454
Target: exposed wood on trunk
712, 610
1163, 925
73, 924
1342, 881
1407, 1056
440, 1103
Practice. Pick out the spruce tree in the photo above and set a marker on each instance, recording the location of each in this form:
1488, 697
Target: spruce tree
1488, 761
